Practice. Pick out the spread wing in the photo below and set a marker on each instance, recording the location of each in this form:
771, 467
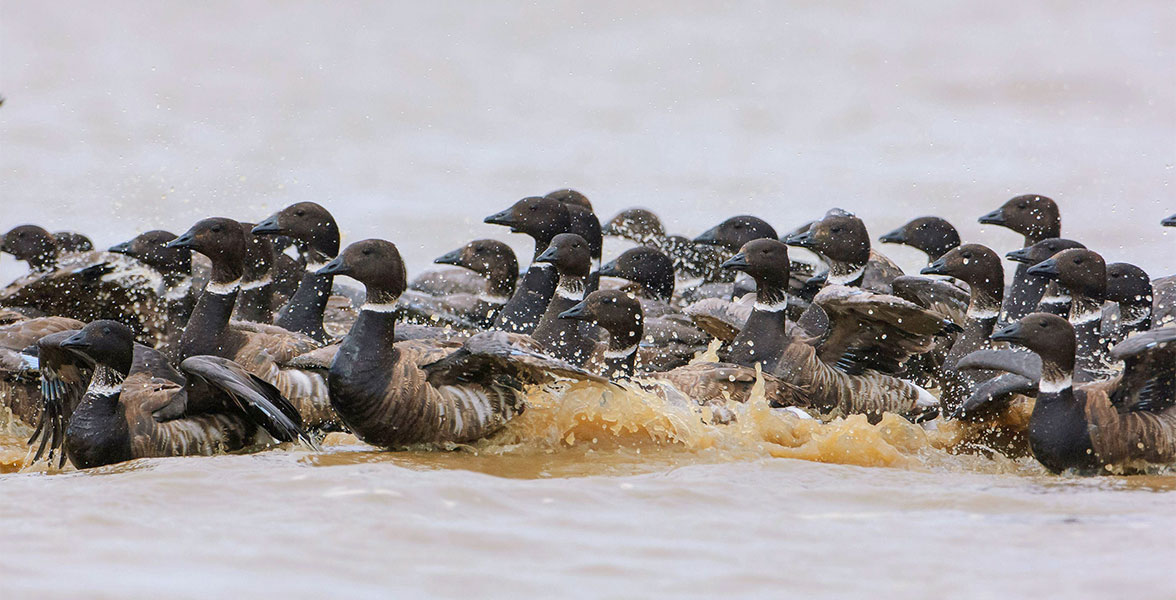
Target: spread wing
936, 294
1149, 371
723, 319
489, 354
875, 331
244, 392
64, 379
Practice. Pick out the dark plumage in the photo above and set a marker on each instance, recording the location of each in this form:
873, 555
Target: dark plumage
32, 244
255, 302
1130, 288
72, 241
932, 235
19, 388
128, 413
1037, 218
1125, 423
497, 269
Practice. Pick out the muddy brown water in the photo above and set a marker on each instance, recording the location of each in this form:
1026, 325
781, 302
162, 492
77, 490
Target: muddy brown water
412, 122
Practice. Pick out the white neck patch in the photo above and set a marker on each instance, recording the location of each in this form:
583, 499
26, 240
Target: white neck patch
622, 353
1053, 386
772, 307
491, 299
105, 382
223, 289
260, 283
378, 307
571, 288
845, 278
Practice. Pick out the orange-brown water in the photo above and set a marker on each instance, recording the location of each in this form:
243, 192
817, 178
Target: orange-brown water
413, 121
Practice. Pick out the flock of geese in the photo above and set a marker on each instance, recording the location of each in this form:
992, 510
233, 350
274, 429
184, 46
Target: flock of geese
236, 336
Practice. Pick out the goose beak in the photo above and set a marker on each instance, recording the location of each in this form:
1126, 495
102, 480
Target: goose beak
1046, 268
548, 255
995, 217
1010, 333
803, 239
1021, 256
710, 236
610, 269
737, 262
123, 248
77, 341
501, 218
269, 226
336, 267
450, 258
1169, 222
578, 312
898, 236
938, 267
184, 241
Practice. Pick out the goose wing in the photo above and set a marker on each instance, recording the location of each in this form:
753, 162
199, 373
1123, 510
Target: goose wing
875, 331
64, 379
242, 391
491, 353
937, 294
1149, 372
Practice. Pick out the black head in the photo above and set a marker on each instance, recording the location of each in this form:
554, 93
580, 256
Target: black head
151, 249
975, 264
310, 225
736, 231
839, 237
933, 235
646, 266
1128, 284
259, 254
570, 255
374, 263
1080, 271
619, 313
637, 224
541, 218
568, 196
1169, 222
31, 244
1033, 216
1042, 250
766, 260
72, 241
1049, 336
220, 239
108, 343
486, 257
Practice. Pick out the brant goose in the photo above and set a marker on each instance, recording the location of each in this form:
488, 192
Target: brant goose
1082, 274
128, 413
564, 339
1130, 289
842, 241
494, 264
691, 260
931, 235
1050, 299
399, 394
19, 388
1037, 218
1121, 424
314, 231
542, 219
264, 350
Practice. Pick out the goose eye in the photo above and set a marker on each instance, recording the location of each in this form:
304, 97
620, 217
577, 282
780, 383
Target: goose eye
836, 230
1022, 206
216, 228
367, 251
300, 213
533, 207
1043, 325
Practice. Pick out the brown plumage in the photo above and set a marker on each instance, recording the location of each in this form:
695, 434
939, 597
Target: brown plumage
20, 391
396, 394
129, 412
